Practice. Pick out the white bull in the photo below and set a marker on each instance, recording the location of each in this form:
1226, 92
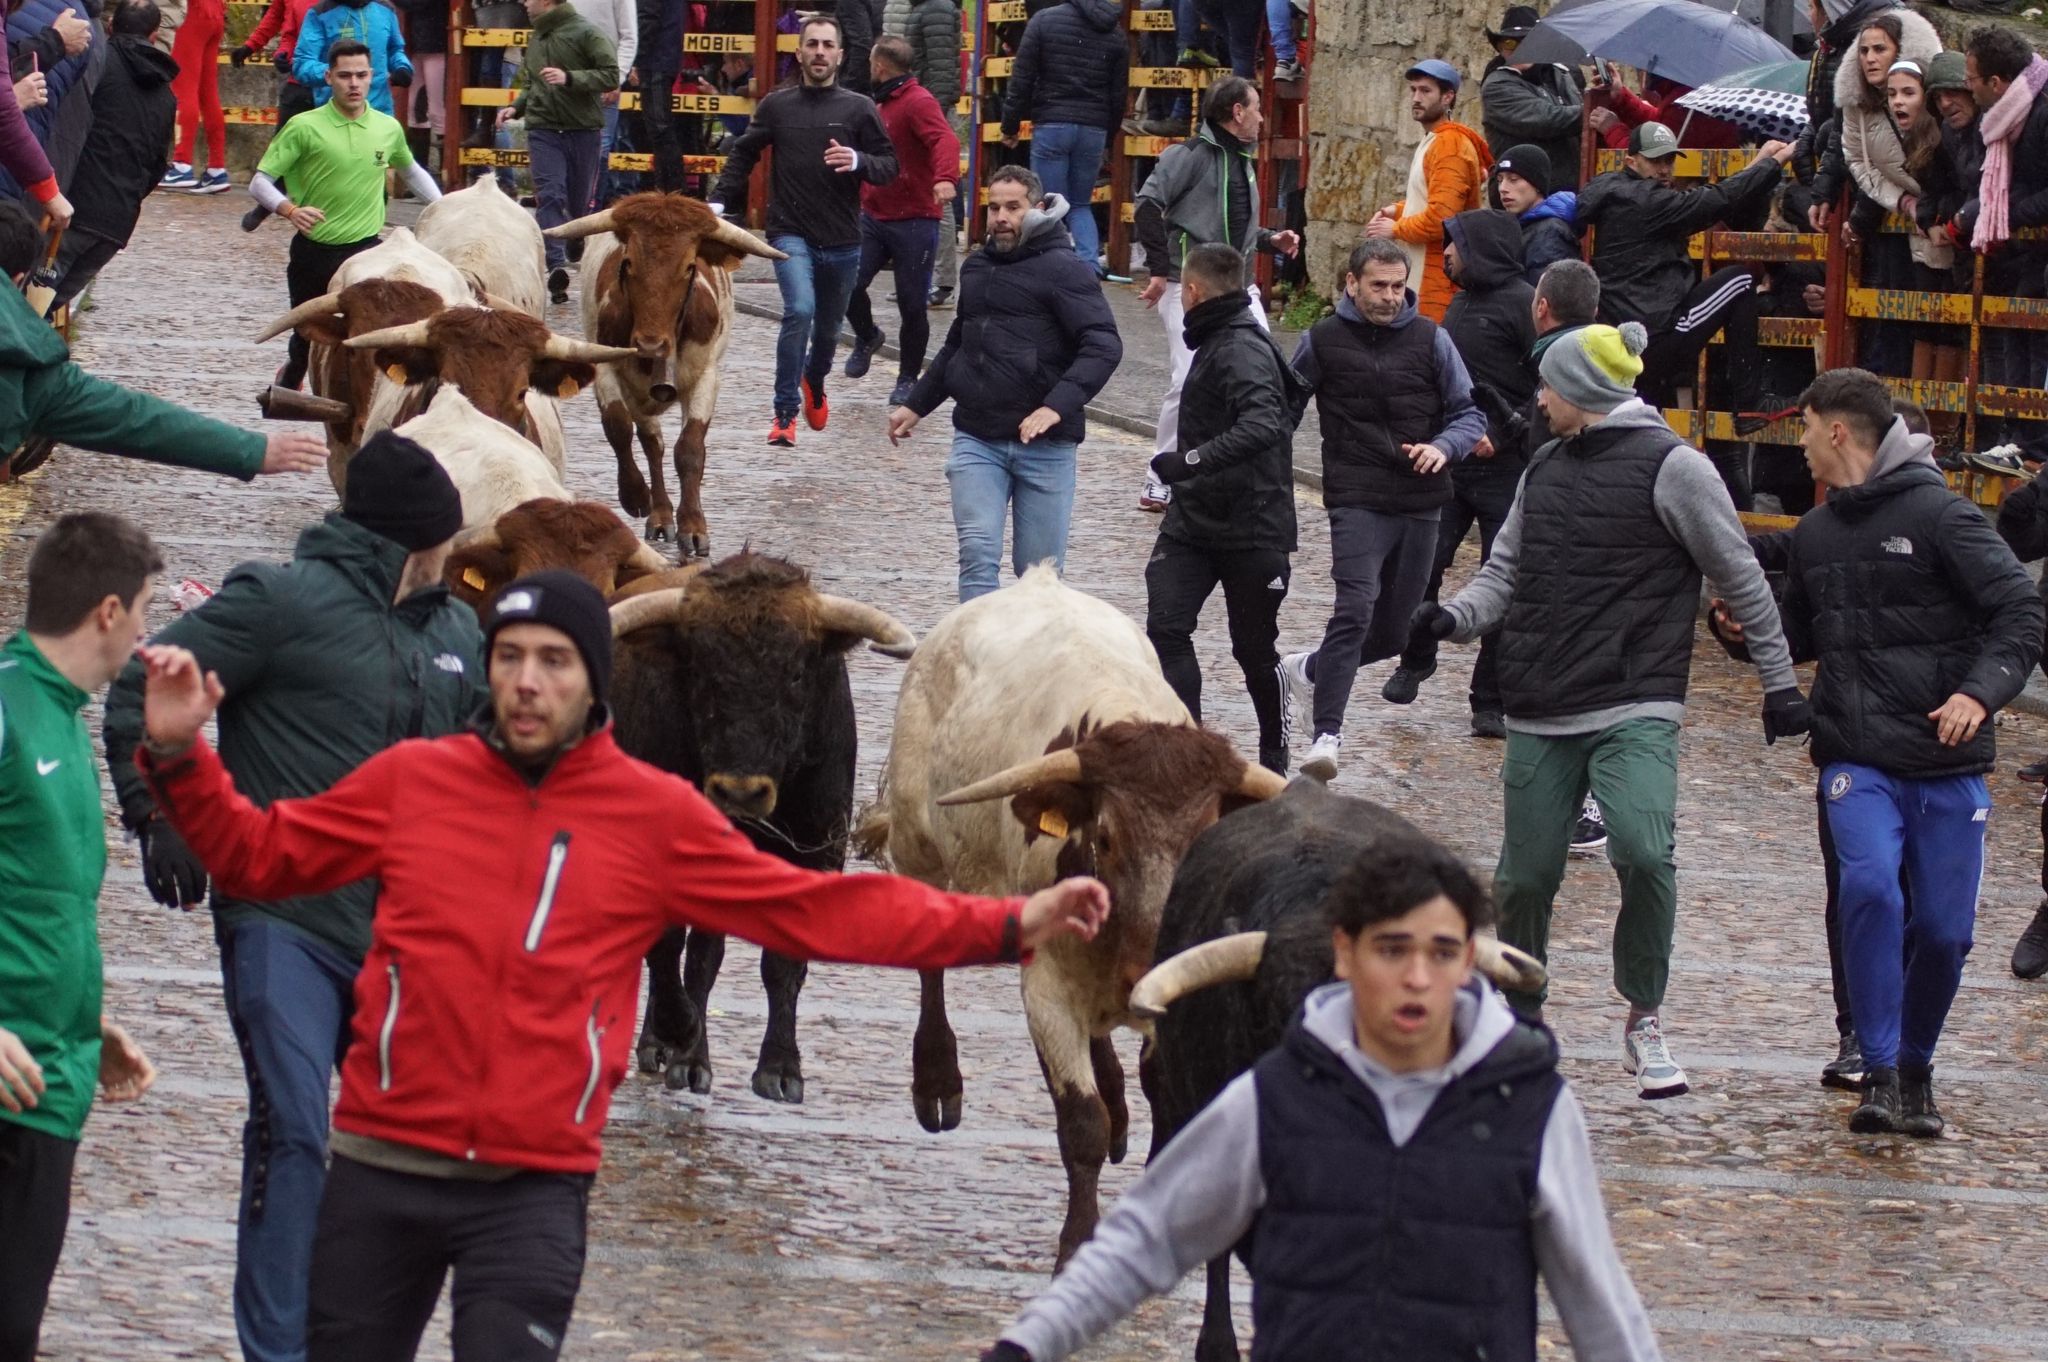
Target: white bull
492, 241
1035, 738
493, 467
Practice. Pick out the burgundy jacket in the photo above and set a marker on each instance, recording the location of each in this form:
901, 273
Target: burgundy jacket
927, 151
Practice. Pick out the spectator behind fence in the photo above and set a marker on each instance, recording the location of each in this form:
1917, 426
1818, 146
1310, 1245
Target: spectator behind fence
1539, 102
1444, 178
2008, 80
662, 26
426, 44
1929, 196
1871, 146
70, 52
1549, 219
197, 54
1069, 81
859, 25
568, 65
133, 112
1614, 111
373, 25
23, 160
1948, 86
281, 21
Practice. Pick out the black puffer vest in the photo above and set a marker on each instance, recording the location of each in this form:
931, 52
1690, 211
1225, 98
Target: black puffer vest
1605, 598
1421, 1253
1376, 390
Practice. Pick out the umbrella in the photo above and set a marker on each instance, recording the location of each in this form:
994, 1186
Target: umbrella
1689, 43
1772, 114
1788, 76
1753, 10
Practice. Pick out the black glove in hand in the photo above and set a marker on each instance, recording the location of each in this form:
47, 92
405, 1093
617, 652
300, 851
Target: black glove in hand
1786, 715
282, 60
1006, 1351
1171, 468
171, 873
241, 55
1430, 623
401, 77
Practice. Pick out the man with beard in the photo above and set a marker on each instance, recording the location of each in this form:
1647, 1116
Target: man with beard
1032, 344
813, 212
1444, 179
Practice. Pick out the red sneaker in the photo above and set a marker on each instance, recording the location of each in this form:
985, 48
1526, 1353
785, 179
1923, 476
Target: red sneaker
782, 432
817, 410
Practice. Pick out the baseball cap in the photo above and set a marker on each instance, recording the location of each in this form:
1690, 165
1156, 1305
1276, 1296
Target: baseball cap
1438, 70
1653, 140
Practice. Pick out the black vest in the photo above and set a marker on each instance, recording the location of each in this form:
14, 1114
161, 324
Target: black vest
1376, 390
1424, 1253
1605, 598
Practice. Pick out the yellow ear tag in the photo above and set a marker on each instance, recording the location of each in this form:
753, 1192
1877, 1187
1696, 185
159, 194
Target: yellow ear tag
472, 577
567, 389
395, 372
1053, 823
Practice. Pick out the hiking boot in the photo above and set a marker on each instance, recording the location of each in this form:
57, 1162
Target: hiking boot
1165, 127
558, 285
782, 431
1489, 723
1196, 57
1845, 1071
1591, 833
1918, 1116
817, 411
179, 176
1879, 1114
253, 219
2034, 772
1296, 692
2030, 953
1647, 1056
213, 182
1321, 761
1289, 70
862, 355
1405, 684
899, 396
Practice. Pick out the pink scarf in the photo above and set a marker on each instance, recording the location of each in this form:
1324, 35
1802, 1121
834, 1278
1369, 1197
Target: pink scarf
2001, 126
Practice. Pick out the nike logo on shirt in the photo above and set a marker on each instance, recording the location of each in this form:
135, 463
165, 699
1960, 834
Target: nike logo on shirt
44, 768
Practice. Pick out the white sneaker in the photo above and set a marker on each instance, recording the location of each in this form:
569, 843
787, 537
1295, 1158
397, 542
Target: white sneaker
1296, 690
1321, 761
1646, 1056
1156, 495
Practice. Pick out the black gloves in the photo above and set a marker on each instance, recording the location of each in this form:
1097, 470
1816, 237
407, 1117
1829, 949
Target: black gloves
241, 55
1430, 623
1171, 468
283, 62
1786, 715
401, 76
171, 873
1006, 1351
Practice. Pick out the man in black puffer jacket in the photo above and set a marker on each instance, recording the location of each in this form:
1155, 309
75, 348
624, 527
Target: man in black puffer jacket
1924, 625
1032, 344
126, 151
1231, 520
1069, 82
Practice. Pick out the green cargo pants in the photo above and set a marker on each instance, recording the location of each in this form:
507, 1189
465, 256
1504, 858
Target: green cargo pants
1632, 770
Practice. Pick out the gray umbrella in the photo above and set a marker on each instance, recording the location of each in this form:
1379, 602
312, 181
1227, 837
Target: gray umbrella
1689, 43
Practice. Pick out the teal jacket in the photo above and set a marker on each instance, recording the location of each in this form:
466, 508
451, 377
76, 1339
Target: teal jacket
565, 39
42, 391
322, 671
53, 855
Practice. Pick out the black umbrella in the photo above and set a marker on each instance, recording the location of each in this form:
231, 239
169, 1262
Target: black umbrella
1679, 40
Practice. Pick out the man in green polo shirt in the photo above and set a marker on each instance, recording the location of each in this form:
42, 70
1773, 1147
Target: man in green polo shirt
335, 157
89, 584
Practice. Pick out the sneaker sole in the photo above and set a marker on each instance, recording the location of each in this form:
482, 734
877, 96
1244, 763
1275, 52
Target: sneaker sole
1152, 507
1859, 1124
1678, 1089
1588, 848
1322, 768
1842, 1080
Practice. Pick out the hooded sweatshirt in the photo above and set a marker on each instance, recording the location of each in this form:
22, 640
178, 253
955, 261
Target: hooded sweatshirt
133, 111
373, 25
1444, 180
1550, 233
1200, 1195
1490, 324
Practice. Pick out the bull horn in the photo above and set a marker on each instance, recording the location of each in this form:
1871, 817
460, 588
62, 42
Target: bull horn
326, 304
1259, 783
884, 632
409, 334
589, 225
648, 558
637, 612
1063, 765
572, 351
1515, 971
740, 239
1227, 959
497, 304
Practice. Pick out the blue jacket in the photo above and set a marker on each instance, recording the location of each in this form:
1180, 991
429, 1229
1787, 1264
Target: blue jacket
1550, 233
61, 124
372, 24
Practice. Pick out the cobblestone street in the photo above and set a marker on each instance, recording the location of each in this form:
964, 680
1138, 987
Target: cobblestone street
723, 1227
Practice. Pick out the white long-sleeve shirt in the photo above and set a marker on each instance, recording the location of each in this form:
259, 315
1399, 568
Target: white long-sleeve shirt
618, 20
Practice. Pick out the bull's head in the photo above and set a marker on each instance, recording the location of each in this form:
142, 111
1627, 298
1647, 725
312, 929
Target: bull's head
333, 318
644, 286
745, 668
1125, 801
585, 537
493, 357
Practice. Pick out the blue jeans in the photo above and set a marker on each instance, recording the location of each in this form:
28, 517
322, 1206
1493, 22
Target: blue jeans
564, 166
1067, 157
1034, 483
289, 997
1903, 975
1280, 24
815, 281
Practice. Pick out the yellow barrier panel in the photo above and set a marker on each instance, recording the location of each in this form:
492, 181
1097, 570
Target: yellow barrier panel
1169, 78
248, 113
621, 160
475, 96
692, 42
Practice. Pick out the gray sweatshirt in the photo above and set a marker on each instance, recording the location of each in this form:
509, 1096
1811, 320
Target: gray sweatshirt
1692, 502
1205, 1189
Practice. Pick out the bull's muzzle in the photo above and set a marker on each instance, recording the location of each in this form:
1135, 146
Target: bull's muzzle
660, 367
741, 796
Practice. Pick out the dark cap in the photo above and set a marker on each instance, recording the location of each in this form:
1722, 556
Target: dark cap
1653, 140
1515, 23
561, 600
1526, 161
400, 491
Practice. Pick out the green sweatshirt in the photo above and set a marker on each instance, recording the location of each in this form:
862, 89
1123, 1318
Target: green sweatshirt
565, 39
53, 855
41, 390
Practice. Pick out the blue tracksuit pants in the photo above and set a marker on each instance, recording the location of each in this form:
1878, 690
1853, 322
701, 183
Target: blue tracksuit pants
1902, 978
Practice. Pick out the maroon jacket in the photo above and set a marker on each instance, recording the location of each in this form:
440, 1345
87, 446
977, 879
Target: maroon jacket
927, 151
20, 154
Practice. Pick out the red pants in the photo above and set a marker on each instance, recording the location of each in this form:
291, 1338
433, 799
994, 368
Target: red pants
197, 52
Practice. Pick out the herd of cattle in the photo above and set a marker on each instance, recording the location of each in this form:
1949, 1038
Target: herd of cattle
1035, 737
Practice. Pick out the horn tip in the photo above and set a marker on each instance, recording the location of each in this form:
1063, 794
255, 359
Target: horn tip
902, 650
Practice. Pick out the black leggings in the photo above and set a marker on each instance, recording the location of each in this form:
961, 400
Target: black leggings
309, 268
35, 1206
1178, 581
387, 1240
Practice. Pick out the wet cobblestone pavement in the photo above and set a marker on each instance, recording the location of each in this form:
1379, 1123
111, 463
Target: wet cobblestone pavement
728, 1227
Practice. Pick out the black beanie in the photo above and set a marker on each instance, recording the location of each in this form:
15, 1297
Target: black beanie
399, 490
560, 600
1530, 162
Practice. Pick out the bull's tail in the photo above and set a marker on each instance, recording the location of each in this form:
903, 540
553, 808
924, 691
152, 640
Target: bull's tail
870, 841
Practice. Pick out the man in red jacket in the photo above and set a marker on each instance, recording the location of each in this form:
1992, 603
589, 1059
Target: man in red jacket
523, 871
899, 221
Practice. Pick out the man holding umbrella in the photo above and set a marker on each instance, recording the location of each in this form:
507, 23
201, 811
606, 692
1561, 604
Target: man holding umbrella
1534, 102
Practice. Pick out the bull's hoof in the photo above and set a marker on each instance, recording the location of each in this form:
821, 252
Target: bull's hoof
658, 534
778, 1086
696, 545
635, 500
653, 1056
938, 1113
695, 1075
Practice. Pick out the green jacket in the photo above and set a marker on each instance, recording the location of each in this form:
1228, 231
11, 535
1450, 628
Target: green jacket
565, 39
53, 854
321, 671
41, 390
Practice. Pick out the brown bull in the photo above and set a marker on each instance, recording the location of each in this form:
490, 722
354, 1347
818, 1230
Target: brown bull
341, 375
584, 537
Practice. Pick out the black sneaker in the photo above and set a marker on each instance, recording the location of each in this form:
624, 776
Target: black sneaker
1591, 832
558, 285
1845, 1071
900, 394
1918, 1116
1879, 1114
1405, 684
1489, 723
863, 353
2030, 953
253, 219
941, 297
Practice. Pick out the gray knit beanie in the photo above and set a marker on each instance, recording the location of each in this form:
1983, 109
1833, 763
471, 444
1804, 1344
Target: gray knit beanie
1595, 367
